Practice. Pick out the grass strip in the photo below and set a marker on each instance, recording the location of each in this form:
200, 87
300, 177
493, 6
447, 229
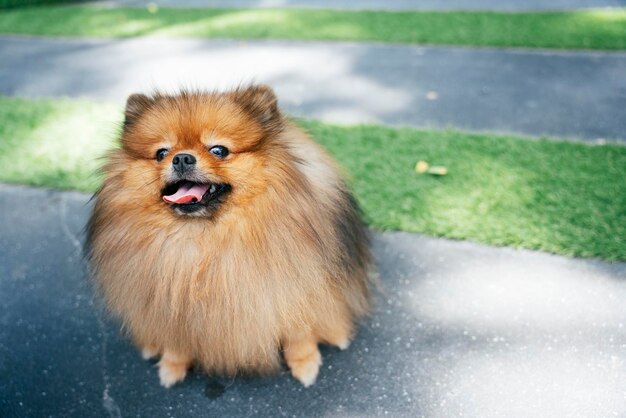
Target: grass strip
562, 197
589, 29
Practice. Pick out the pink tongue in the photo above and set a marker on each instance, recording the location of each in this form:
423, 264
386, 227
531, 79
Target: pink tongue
187, 193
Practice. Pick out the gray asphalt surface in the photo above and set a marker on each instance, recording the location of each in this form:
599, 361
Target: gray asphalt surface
460, 329
565, 94
503, 5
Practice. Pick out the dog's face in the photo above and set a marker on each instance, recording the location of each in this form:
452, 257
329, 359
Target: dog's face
195, 152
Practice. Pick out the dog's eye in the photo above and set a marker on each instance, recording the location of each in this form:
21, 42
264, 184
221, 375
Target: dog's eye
160, 154
219, 151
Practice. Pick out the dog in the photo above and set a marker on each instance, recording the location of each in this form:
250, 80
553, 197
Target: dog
223, 235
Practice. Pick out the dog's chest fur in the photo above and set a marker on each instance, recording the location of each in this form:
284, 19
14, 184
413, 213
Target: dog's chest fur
188, 288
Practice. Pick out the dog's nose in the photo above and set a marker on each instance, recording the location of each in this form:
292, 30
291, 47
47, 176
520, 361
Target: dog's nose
183, 162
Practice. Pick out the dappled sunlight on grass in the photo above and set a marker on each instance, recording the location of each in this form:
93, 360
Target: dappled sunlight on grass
216, 22
247, 17
559, 197
55, 145
608, 15
135, 27
601, 29
476, 202
235, 23
260, 24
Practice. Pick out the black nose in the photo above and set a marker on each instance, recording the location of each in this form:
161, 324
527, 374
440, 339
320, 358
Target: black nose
183, 162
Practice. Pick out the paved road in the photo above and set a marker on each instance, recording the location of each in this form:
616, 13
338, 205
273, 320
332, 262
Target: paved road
503, 5
568, 94
460, 328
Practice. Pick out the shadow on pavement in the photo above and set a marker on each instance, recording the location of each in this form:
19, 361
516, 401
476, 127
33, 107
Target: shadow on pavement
575, 94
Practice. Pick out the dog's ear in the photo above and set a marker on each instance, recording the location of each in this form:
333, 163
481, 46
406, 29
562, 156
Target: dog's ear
261, 103
136, 105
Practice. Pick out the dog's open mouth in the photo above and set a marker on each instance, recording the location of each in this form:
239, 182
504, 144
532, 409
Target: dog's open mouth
189, 196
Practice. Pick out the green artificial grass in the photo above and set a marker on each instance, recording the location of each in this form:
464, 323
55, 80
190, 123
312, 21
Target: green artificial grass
55, 143
10, 4
593, 29
563, 197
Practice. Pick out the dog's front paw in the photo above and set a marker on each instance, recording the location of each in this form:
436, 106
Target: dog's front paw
306, 370
169, 375
172, 369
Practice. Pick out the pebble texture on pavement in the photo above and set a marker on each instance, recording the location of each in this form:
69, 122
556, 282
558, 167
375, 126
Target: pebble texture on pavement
459, 328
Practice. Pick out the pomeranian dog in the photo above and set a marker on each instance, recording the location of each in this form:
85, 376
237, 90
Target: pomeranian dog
223, 236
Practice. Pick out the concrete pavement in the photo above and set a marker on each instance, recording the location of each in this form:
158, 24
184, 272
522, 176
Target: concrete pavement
395, 5
565, 94
459, 329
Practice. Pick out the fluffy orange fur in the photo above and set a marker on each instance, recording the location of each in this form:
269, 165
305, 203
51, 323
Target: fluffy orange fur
279, 263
